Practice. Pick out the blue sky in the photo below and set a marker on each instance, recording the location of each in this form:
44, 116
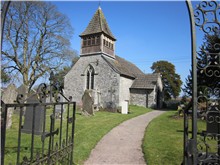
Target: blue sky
146, 31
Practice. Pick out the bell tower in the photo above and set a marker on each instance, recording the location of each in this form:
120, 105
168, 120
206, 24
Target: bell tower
97, 37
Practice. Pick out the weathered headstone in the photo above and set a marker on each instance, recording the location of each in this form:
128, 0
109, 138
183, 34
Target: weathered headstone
213, 121
96, 96
88, 102
9, 96
29, 117
58, 108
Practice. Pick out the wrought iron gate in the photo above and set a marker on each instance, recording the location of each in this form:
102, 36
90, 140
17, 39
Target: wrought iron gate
202, 122
42, 131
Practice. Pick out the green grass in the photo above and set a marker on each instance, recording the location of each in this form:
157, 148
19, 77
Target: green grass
163, 140
88, 132
162, 143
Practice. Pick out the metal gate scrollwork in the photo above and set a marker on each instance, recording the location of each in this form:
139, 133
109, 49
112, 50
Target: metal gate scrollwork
42, 130
202, 123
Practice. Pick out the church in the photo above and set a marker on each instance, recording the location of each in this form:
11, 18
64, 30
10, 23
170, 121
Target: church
110, 78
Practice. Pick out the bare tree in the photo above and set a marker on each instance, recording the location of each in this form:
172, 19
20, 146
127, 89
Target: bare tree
36, 40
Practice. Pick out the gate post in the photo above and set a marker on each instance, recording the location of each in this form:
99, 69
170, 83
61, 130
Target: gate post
198, 148
3, 129
193, 141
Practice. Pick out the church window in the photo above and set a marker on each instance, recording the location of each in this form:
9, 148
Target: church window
89, 42
84, 42
93, 40
104, 42
97, 40
90, 78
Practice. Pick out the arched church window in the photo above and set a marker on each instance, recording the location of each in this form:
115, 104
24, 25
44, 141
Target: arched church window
90, 77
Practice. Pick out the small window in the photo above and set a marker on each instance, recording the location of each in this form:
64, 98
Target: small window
97, 40
84, 42
93, 40
107, 43
89, 42
103, 41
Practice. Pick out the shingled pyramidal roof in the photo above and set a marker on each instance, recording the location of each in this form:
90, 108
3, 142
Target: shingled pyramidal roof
98, 24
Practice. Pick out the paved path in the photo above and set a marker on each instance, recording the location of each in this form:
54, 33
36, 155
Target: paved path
122, 145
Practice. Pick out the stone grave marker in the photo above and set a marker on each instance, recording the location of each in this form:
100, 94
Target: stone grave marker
88, 103
124, 109
39, 117
58, 107
9, 97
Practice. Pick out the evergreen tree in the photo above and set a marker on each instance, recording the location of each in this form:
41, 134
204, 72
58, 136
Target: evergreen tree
208, 66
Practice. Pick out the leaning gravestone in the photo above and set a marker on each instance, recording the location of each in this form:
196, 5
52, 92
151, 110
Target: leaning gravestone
8, 97
38, 117
88, 103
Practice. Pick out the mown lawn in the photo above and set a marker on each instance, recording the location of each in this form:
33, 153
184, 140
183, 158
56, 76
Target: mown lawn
163, 143
88, 132
163, 140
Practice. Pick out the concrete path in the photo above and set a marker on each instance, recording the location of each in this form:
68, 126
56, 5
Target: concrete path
122, 145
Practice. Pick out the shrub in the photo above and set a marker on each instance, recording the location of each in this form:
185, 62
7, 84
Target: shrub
172, 104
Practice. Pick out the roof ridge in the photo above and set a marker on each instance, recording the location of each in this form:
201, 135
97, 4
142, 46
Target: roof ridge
114, 68
100, 19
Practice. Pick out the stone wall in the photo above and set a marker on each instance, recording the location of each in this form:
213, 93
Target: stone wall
138, 97
125, 84
152, 98
106, 80
143, 97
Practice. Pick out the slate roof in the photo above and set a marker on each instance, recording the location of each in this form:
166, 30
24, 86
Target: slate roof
124, 67
146, 81
98, 24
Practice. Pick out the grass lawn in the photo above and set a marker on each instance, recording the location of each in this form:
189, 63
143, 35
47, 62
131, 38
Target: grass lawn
162, 143
88, 132
163, 140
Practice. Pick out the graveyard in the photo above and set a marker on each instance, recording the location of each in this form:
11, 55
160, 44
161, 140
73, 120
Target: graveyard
88, 131
65, 109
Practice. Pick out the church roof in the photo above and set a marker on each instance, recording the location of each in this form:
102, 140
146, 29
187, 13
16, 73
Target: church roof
124, 67
146, 81
98, 24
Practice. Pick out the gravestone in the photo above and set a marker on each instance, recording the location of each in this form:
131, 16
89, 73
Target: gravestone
96, 96
9, 97
58, 107
38, 117
124, 109
88, 103
213, 121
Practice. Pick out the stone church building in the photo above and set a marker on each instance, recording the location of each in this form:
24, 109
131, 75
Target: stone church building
111, 78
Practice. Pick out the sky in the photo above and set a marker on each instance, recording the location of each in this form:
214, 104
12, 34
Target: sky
146, 31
